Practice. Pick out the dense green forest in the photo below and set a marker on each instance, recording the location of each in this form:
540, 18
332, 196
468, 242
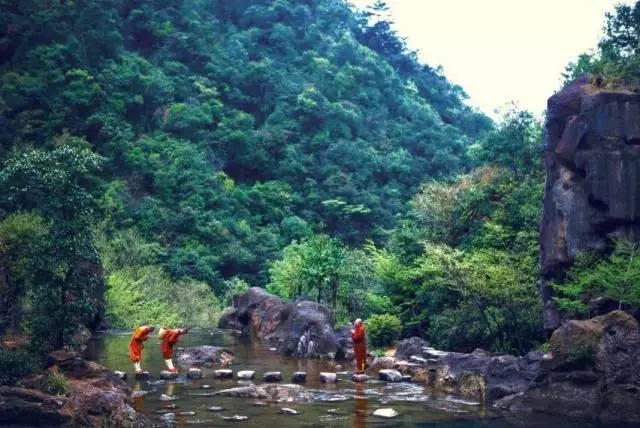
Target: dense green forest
176, 152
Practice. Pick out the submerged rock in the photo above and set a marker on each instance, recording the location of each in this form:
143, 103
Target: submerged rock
215, 408
144, 375
270, 392
165, 397
288, 411
236, 418
204, 355
359, 377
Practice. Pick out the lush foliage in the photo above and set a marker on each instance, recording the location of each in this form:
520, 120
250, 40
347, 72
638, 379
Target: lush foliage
15, 364
617, 59
383, 330
615, 277
224, 132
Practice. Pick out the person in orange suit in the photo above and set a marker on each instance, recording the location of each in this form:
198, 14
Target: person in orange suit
140, 335
359, 345
169, 338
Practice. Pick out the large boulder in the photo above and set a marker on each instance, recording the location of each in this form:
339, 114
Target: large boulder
301, 328
592, 191
410, 347
204, 355
594, 371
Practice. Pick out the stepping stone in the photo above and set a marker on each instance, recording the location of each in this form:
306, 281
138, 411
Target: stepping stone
273, 349
390, 375
326, 377
359, 377
143, 375
272, 377
121, 375
288, 411
215, 408
235, 418
205, 386
194, 373
246, 374
406, 378
223, 374
187, 414
299, 377
167, 375
165, 397
385, 413
259, 404
164, 411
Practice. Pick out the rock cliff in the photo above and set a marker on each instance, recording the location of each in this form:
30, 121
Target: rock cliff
592, 191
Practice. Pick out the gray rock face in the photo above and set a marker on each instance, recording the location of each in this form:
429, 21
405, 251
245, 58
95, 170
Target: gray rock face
592, 191
410, 347
203, 356
301, 328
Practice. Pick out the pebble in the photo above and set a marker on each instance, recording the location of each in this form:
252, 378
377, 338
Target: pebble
272, 377
215, 408
299, 377
187, 414
246, 374
385, 413
205, 386
121, 375
235, 418
194, 373
326, 377
166, 374
288, 411
165, 397
223, 373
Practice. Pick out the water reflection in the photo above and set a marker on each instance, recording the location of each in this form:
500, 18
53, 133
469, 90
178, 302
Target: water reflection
360, 406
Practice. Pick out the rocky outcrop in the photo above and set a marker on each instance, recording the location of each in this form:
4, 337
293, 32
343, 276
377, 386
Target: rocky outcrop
594, 372
204, 355
97, 397
410, 347
270, 392
592, 191
301, 328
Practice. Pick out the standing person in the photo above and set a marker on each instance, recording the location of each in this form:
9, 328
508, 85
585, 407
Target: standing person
169, 338
140, 335
359, 345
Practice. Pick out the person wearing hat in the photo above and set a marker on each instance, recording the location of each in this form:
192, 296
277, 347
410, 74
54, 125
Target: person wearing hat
140, 335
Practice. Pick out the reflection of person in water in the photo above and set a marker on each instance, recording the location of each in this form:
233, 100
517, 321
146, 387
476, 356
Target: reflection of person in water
360, 407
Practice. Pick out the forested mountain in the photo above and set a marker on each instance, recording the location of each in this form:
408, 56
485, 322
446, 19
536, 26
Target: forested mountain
217, 132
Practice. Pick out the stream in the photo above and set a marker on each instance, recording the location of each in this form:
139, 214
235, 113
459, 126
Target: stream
345, 404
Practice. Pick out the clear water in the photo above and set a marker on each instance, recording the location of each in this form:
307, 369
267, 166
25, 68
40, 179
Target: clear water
345, 404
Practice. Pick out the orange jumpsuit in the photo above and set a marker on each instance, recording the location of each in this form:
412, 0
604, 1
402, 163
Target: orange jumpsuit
170, 339
359, 347
137, 343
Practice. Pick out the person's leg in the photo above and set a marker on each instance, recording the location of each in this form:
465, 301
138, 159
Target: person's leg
137, 367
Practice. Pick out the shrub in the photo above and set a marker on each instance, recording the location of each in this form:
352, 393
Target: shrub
15, 364
383, 330
57, 383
